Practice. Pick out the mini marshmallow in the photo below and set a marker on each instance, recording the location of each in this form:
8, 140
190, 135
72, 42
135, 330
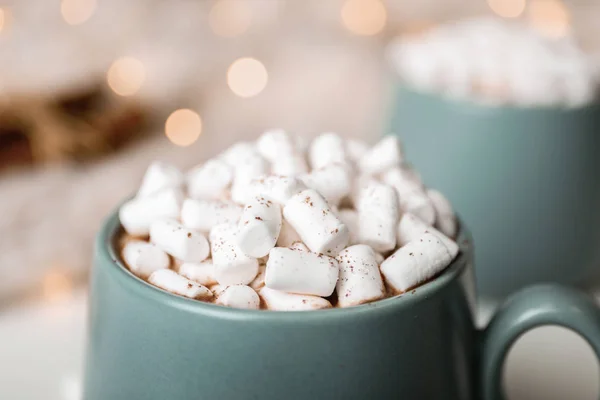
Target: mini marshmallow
381, 157
359, 281
412, 227
355, 149
276, 188
210, 180
170, 281
411, 193
238, 153
160, 175
333, 182
301, 272
289, 165
259, 227
445, 219
379, 257
318, 227
179, 241
139, 213
416, 262
277, 143
299, 246
239, 296
328, 148
203, 215
217, 290
277, 300
350, 218
144, 258
252, 167
259, 281
231, 265
378, 215
287, 235
203, 273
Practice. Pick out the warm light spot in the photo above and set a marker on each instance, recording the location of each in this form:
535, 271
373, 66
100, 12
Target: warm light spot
364, 17
230, 18
507, 8
247, 77
126, 76
417, 27
57, 285
76, 12
5, 19
549, 17
183, 127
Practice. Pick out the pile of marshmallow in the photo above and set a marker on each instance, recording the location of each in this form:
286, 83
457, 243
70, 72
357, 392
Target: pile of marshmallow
280, 225
497, 62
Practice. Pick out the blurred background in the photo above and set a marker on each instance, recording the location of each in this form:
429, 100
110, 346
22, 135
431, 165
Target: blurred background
91, 91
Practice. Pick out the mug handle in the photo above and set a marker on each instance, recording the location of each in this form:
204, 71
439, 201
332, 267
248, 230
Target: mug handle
544, 304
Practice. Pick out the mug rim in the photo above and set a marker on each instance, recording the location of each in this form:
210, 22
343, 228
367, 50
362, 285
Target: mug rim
107, 257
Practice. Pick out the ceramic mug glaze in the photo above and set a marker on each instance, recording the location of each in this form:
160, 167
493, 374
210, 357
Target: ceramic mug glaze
526, 181
145, 343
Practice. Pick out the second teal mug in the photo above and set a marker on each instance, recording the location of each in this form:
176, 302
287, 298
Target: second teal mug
145, 343
525, 180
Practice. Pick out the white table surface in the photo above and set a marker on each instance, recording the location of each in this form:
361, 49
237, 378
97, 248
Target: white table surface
42, 345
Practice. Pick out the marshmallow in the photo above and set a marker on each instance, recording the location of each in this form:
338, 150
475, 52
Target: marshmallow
299, 246
326, 149
350, 218
379, 257
416, 262
217, 290
411, 227
239, 296
180, 242
445, 220
276, 300
411, 193
203, 273
139, 213
287, 235
378, 215
318, 227
252, 167
301, 272
259, 281
289, 165
381, 157
160, 175
170, 281
210, 180
355, 149
144, 258
359, 281
276, 188
259, 227
203, 215
333, 182
277, 143
238, 153
231, 265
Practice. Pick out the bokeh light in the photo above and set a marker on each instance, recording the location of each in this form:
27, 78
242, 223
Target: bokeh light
57, 285
126, 76
5, 19
247, 77
183, 127
364, 17
549, 17
230, 18
507, 8
76, 12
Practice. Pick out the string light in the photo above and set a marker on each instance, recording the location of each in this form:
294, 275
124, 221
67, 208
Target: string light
364, 17
549, 17
183, 127
126, 76
247, 77
507, 8
57, 285
230, 18
76, 12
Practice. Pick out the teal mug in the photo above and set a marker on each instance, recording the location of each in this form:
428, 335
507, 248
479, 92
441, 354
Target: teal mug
525, 181
145, 343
